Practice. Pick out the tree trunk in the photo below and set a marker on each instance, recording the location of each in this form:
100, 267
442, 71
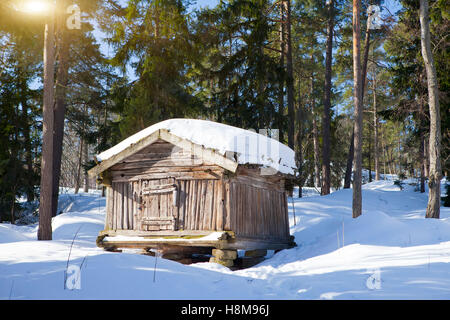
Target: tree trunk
350, 156
290, 76
327, 104
299, 153
46, 187
348, 169
315, 137
427, 158
370, 158
422, 161
282, 55
383, 146
435, 174
375, 128
60, 110
357, 75
85, 174
78, 173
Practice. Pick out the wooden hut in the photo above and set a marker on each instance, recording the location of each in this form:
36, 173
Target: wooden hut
184, 186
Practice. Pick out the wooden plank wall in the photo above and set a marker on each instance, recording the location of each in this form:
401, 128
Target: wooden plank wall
258, 212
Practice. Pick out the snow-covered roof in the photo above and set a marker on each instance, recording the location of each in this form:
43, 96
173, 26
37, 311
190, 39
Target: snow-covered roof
248, 146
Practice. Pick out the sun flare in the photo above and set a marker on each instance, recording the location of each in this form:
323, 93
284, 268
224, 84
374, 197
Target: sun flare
36, 6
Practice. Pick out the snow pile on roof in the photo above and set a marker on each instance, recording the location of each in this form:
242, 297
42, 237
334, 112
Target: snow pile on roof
250, 147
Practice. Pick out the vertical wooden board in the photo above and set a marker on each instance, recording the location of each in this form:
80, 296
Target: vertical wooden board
241, 196
266, 214
198, 200
243, 200
130, 205
165, 199
108, 205
189, 205
246, 212
254, 205
204, 207
153, 206
146, 201
258, 220
117, 206
249, 211
109, 208
191, 201
210, 205
207, 193
176, 207
276, 207
122, 201
273, 215
282, 216
114, 211
180, 209
254, 222
286, 213
213, 210
234, 205
161, 202
201, 205
285, 216
246, 209
194, 196
251, 219
125, 205
135, 204
216, 209
222, 221
139, 206
219, 207
187, 208
227, 212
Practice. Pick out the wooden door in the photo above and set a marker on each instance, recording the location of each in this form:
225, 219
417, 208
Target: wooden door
158, 207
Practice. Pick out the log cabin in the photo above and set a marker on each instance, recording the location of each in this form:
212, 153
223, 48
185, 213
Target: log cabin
184, 186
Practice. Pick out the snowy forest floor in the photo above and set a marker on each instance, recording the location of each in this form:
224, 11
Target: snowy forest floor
390, 252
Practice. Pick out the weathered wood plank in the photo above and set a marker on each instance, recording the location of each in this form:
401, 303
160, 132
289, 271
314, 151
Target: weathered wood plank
204, 153
135, 175
133, 148
165, 162
226, 205
125, 205
109, 207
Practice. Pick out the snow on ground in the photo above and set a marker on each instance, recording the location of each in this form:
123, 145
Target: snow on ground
390, 252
